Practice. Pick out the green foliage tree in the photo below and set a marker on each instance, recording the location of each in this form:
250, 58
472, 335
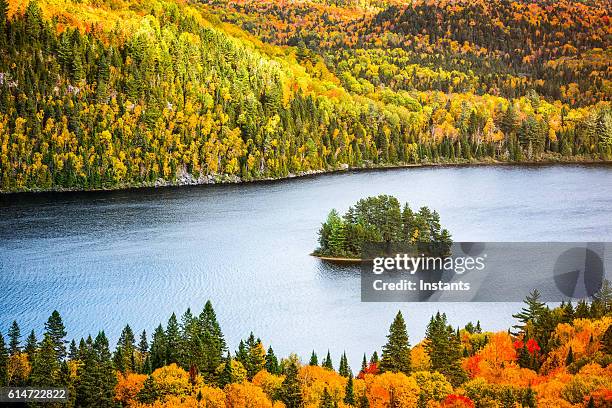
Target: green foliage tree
396, 353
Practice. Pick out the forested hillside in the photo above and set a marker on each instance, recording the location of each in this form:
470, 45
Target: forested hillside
105, 94
552, 358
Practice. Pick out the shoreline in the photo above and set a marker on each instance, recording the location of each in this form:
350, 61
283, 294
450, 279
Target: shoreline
189, 181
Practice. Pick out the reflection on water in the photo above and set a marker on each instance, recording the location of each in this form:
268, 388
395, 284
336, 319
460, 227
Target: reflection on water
107, 259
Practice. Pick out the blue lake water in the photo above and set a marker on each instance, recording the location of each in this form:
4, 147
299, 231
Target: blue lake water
109, 258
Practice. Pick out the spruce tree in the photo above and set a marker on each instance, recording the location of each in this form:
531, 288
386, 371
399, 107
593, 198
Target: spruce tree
349, 392
444, 349
14, 335
148, 393
57, 332
396, 353
159, 346
227, 375
374, 359
327, 362
364, 363
314, 359
124, 356
105, 378
73, 351
45, 368
344, 369
3, 362
213, 342
173, 340
31, 346
271, 362
290, 393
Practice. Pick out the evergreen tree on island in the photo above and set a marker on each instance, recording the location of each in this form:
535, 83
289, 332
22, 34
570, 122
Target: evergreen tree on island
382, 220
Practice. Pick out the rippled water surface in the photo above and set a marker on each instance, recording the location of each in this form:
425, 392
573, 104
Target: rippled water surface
107, 259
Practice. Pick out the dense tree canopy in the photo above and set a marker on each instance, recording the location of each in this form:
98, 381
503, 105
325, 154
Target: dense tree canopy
112, 93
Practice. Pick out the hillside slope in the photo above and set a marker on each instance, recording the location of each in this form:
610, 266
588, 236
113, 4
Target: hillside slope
105, 94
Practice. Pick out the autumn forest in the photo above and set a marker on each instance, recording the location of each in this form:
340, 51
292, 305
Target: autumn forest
106, 94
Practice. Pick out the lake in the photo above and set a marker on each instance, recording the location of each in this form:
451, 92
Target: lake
104, 259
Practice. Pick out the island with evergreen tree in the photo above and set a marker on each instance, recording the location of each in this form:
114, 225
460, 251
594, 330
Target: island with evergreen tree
383, 220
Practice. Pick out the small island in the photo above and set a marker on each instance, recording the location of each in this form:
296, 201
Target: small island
382, 220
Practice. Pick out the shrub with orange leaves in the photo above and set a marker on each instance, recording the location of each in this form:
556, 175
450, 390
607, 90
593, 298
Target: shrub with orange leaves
246, 395
386, 388
128, 386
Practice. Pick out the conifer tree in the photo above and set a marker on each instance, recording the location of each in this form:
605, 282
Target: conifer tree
290, 392
344, 369
159, 348
45, 367
364, 363
314, 359
57, 332
227, 375
73, 351
374, 359
3, 362
532, 313
349, 392
143, 344
14, 335
327, 362
444, 349
173, 340
396, 353
213, 342
124, 355
148, 393
272, 362
31, 345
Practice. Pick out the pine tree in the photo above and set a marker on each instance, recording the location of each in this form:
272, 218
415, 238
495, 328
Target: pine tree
314, 360
290, 392
374, 359
3, 362
148, 393
364, 363
349, 392
124, 356
173, 340
73, 351
143, 344
327, 362
344, 369
14, 335
271, 362
227, 376
532, 313
396, 353
31, 345
444, 349
159, 346
45, 367
213, 342
57, 332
